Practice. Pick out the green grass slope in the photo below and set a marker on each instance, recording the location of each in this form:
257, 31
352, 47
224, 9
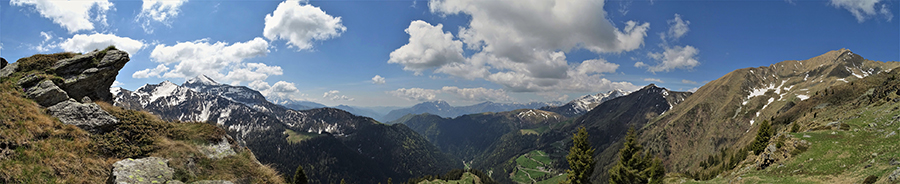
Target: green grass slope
715, 122
843, 134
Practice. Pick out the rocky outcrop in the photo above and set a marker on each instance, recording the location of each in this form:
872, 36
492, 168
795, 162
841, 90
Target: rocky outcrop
86, 77
44, 92
149, 170
3, 63
217, 151
9, 70
767, 157
91, 74
895, 176
87, 116
145, 170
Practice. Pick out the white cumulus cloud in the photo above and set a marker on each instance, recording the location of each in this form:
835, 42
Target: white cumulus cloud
429, 47
87, 43
74, 15
677, 27
596, 66
378, 79
676, 57
161, 11
477, 94
865, 9
218, 60
415, 94
334, 96
300, 24
280, 91
654, 80
150, 72
521, 45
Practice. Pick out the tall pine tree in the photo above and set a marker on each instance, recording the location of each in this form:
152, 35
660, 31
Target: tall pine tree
581, 159
300, 176
635, 166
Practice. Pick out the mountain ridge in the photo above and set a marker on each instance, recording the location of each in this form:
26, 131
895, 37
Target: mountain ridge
723, 111
266, 127
444, 109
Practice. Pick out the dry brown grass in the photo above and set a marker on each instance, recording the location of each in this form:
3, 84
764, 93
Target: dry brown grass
44, 150
37, 148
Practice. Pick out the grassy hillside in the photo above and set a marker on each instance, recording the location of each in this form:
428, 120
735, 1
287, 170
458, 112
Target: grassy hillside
37, 148
723, 115
843, 134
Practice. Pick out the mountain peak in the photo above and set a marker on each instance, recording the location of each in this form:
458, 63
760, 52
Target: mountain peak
651, 85
202, 79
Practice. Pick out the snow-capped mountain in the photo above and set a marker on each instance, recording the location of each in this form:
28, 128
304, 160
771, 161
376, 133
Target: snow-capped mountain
237, 108
265, 128
585, 103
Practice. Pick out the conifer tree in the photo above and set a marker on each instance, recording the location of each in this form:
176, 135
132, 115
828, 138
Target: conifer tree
581, 159
300, 176
633, 167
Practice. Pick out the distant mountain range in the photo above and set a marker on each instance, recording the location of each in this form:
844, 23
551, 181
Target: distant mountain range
443, 109
331, 143
487, 141
584, 104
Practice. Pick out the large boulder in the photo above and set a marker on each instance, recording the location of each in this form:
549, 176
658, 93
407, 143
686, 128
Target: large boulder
145, 170
9, 69
87, 116
91, 74
46, 93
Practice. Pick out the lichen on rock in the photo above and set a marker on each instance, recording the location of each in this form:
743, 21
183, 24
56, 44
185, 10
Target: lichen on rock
217, 151
145, 170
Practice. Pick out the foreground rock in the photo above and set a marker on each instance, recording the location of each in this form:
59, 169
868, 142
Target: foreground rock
145, 170
45, 93
87, 116
9, 70
217, 151
91, 74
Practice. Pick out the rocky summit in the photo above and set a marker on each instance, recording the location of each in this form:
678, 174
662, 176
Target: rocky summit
84, 77
91, 74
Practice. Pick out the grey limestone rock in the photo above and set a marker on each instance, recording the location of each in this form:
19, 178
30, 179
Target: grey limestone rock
87, 116
145, 170
91, 74
46, 93
767, 157
9, 70
217, 151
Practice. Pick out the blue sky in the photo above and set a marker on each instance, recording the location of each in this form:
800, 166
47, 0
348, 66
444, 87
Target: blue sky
461, 51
